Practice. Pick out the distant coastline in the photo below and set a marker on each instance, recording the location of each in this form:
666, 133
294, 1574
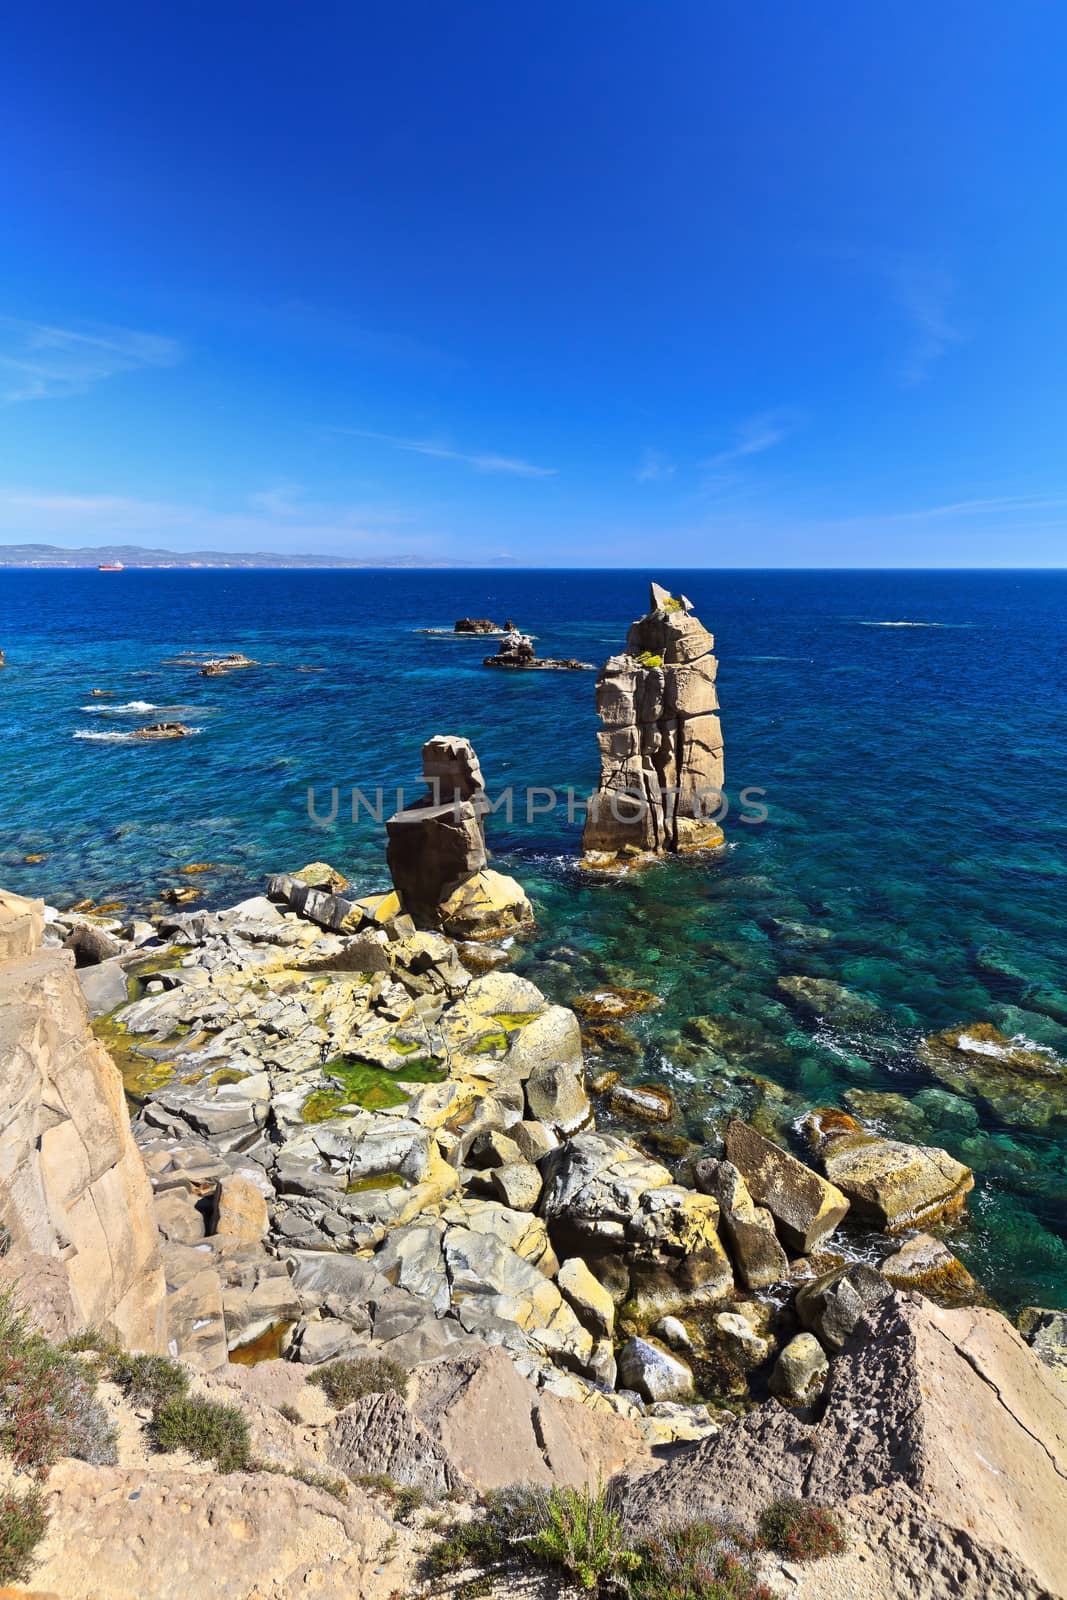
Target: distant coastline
50, 556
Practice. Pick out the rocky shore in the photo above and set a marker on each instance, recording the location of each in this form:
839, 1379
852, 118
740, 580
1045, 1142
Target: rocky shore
344, 1180
356, 1137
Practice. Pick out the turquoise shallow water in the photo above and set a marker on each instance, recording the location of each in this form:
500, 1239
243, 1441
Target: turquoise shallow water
916, 778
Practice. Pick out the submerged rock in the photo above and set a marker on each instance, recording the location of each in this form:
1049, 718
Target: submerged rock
661, 765
1020, 1082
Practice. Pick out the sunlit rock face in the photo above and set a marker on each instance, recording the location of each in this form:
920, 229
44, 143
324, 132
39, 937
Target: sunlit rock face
661, 754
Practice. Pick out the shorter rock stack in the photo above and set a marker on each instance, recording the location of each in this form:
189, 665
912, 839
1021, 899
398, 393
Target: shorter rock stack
437, 856
661, 758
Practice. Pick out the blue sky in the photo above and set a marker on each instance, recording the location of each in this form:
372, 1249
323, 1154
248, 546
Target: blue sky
727, 284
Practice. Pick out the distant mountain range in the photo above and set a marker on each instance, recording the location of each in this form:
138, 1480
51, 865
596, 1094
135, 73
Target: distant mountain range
135, 555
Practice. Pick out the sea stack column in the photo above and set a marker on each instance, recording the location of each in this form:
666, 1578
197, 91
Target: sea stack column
661, 755
437, 856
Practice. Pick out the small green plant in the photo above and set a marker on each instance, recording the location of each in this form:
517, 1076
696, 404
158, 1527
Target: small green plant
87, 1339
23, 1521
348, 1380
647, 659
583, 1535
408, 1499
337, 1487
208, 1430
508, 1517
801, 1531
290, 1413
147, 1380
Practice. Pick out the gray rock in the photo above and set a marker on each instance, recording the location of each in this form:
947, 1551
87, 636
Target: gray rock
379, 1435
1046, 1333
555, 1095
104, 986
653, 1372
534, 1140
518, 1184
588, 1296
831, 1306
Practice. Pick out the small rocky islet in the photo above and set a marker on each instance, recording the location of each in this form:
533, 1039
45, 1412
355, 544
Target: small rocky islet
356, 1132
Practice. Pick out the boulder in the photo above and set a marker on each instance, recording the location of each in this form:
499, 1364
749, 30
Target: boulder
593, 1185
91, 945
239, 1212
555, 1095
748, 1229
677, 1262
805, 1207
893, 1185
518, 1184
1020, 1083
800, 1372
831, 1306
927, 1264
953, 1482
487, 905
433, 851
655, 1373
587, 1295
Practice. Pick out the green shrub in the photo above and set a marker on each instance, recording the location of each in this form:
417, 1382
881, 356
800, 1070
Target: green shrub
87, 1339
345, 1381
290, 1413
583, 1535
208, 1430
147, 1380
23, 1521
801, 1531
647, 659
508, 1517
48, 1405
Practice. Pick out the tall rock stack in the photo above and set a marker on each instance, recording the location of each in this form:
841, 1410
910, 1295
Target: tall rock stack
437, 856
661, 758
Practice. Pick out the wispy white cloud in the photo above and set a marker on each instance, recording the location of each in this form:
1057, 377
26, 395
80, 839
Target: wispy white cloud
654, 468
278, 520
480, 461
996, 505
923, 293
41, 361
753, 436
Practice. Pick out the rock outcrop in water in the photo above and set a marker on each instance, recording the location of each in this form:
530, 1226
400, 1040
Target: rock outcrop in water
517, 654
661, 754
437, 857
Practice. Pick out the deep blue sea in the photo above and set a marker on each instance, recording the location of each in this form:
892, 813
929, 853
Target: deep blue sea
916, 779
